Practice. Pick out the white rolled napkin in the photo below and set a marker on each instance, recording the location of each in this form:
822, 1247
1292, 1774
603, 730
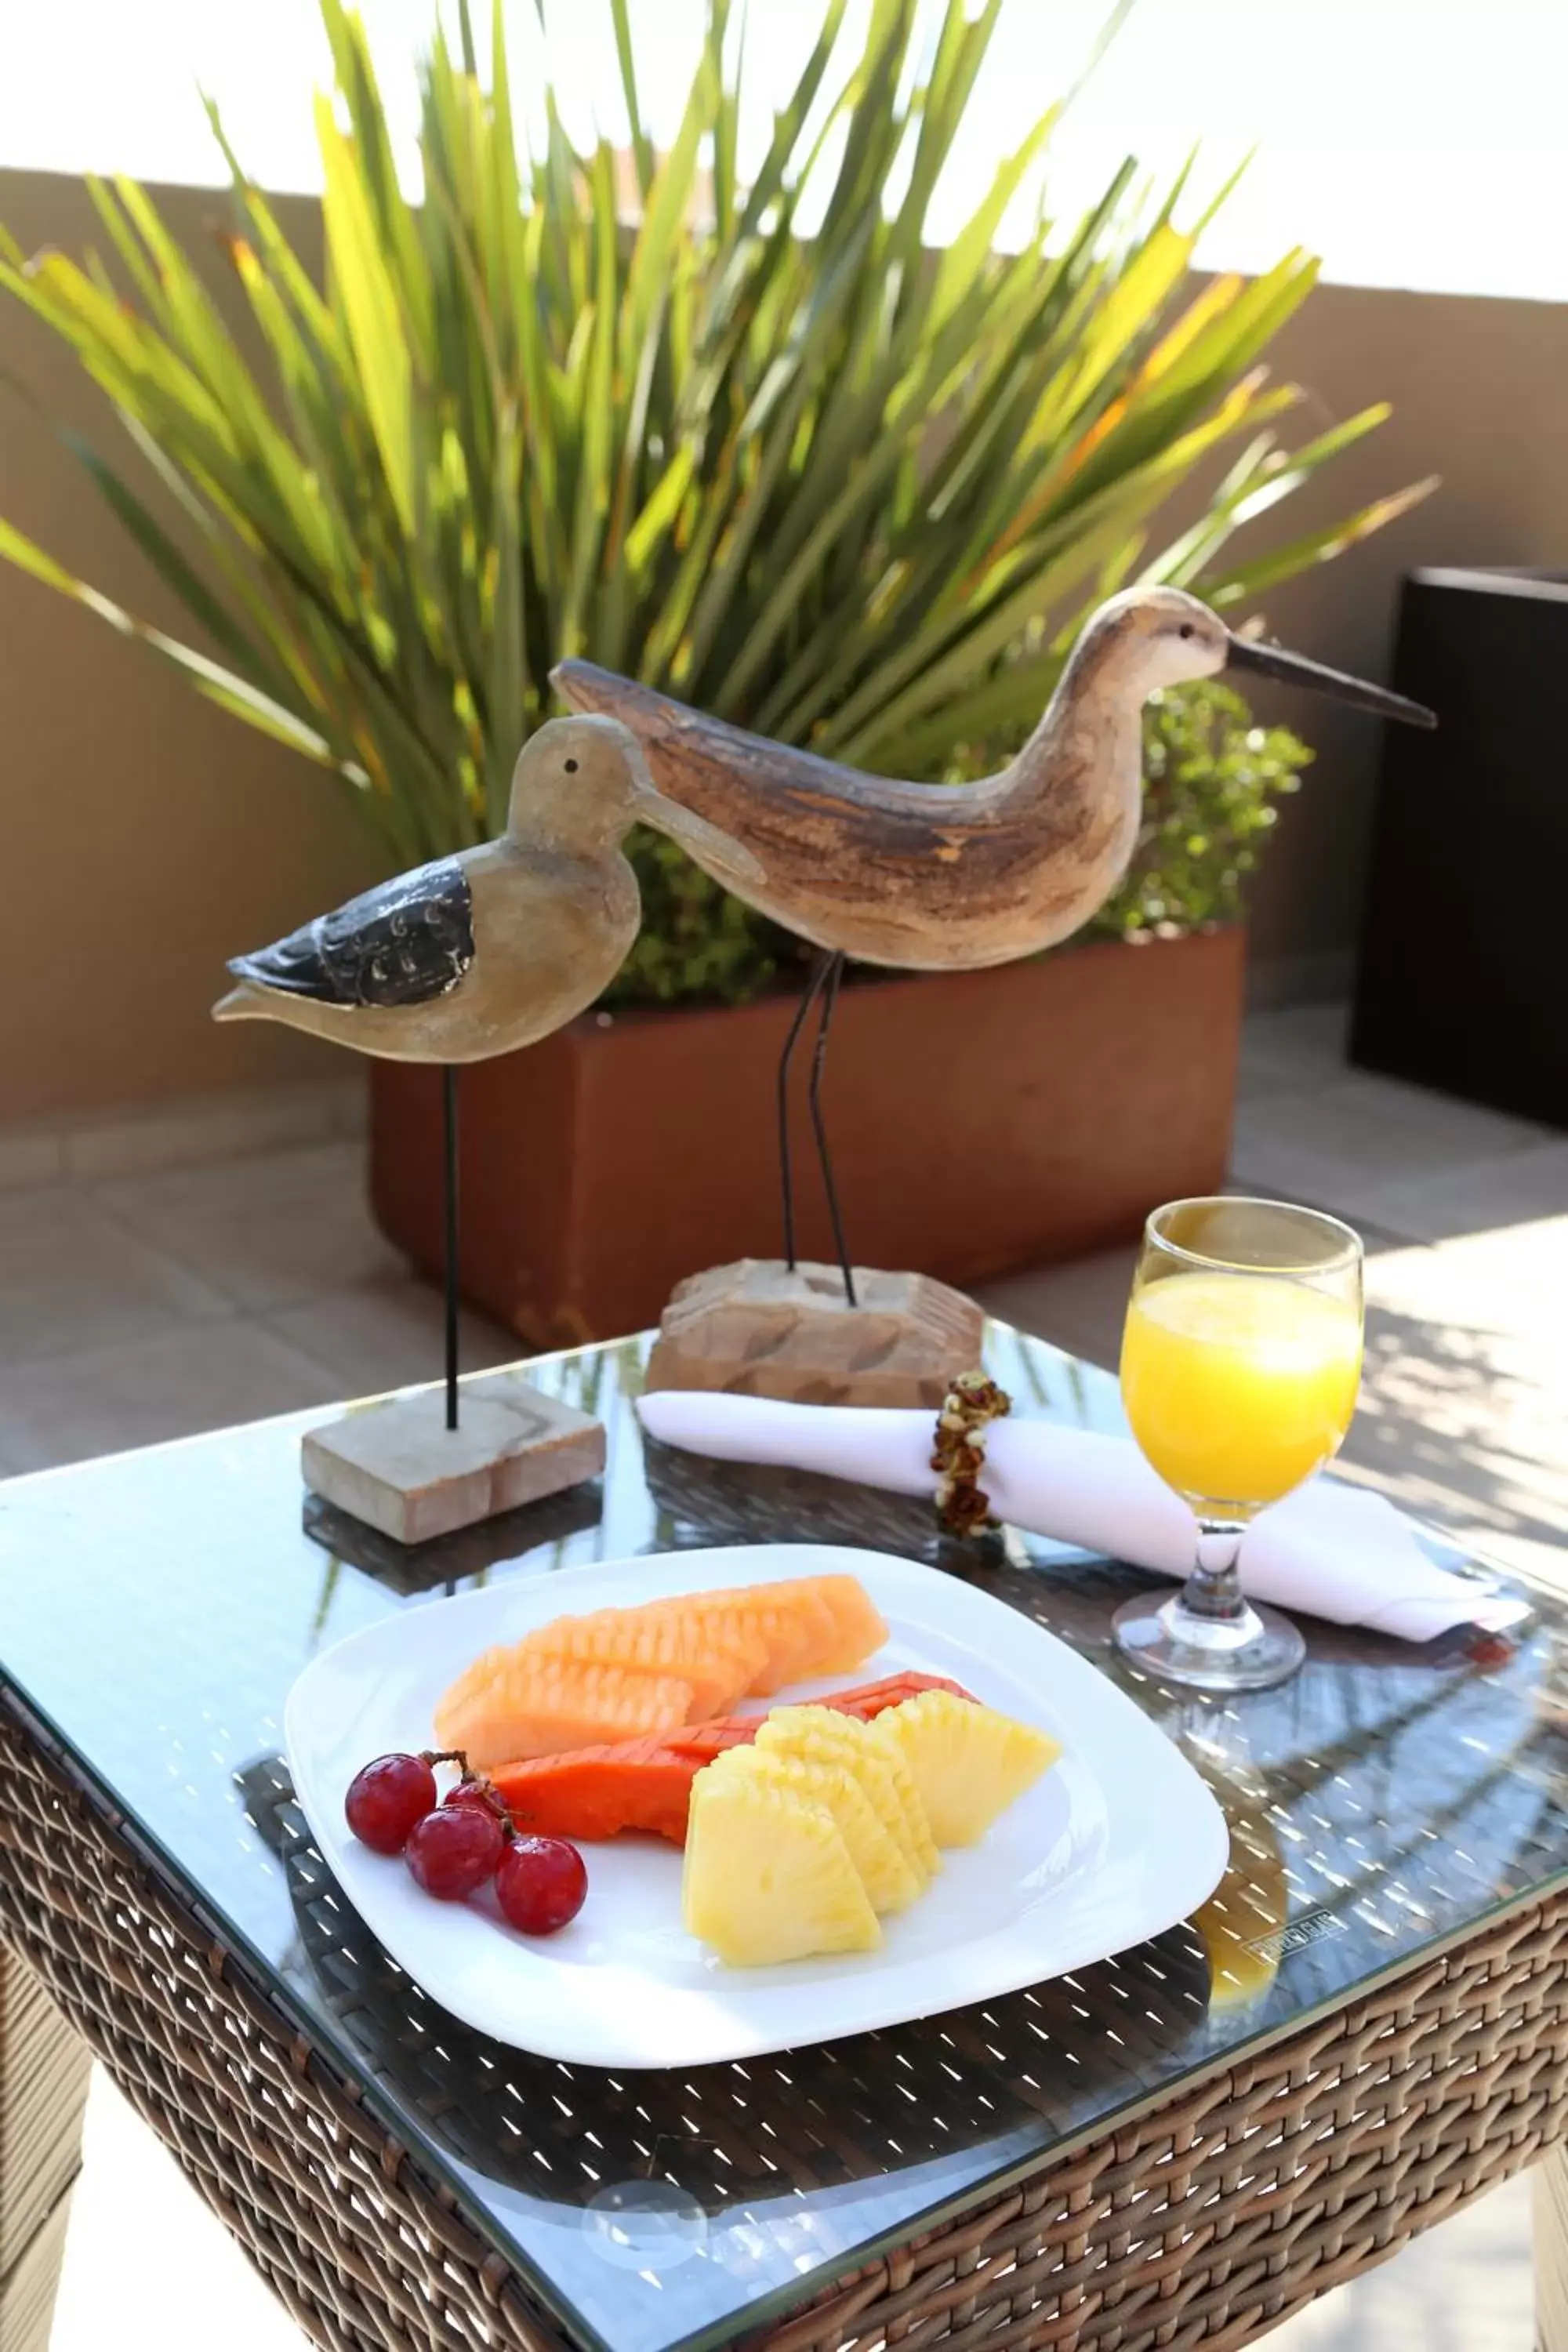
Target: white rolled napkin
1329, 1550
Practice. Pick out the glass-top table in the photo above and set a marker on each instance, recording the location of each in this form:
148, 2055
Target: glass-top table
1385, 1806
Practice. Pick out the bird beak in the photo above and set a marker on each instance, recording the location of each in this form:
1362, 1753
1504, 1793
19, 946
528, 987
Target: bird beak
717, 853
1273, 661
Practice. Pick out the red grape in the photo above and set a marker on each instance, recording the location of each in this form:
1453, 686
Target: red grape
482, 1795
453, 1850
388, 1799
541, 1883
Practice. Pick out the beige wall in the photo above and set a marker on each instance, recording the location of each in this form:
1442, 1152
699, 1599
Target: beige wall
145, 836
1478, 390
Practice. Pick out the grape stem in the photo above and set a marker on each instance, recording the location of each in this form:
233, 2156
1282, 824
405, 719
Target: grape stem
492, 1799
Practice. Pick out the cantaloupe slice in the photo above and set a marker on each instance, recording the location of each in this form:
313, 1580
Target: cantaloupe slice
749, 1641
720, 1658
479, 1677
787, 1633
813, 1625
889, 1877
802, 1627
542, 1706
857, 1625
768, 1876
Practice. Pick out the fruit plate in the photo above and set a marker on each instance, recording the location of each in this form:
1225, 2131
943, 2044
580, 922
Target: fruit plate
1118, 1842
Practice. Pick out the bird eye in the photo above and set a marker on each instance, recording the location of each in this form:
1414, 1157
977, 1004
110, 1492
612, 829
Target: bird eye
1184, 631
571, 765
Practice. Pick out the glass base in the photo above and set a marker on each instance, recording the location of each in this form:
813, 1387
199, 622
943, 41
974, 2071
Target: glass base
1252, 1651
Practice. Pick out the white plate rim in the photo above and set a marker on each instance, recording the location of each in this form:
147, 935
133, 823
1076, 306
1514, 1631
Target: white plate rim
1204, 1825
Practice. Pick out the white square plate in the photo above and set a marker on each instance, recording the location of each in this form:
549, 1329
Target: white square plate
1120, 1840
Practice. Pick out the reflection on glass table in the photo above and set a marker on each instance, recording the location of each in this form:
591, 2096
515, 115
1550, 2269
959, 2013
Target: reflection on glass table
155, 1611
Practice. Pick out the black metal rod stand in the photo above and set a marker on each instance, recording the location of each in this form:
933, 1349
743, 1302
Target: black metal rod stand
786, 1174
449, 1109
833, 974
827, 972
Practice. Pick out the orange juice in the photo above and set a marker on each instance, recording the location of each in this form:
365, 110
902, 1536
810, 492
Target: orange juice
1238, 1386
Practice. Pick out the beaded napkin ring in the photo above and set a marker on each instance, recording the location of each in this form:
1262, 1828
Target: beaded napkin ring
960, 1450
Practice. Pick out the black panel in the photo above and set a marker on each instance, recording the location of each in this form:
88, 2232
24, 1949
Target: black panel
1463, 981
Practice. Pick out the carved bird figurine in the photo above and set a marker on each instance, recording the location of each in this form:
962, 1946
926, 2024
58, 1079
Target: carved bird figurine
936, 878
933, 877
498, 946
492, 949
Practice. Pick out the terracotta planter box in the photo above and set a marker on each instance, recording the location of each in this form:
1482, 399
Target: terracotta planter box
980, 1121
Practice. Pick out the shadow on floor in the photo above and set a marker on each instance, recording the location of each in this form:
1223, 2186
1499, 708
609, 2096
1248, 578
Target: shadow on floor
1452, 1426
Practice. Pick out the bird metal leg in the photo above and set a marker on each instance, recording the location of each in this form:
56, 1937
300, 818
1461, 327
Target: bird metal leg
819, 972
449, 1109
832, 972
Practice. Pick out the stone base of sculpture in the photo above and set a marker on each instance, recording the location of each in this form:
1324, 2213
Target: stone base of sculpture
759, 1328
396, 1465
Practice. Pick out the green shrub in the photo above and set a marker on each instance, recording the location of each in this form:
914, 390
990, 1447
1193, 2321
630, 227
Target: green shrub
696, 944
1211, 781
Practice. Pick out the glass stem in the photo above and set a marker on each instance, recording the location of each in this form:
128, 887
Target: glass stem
1213, 1591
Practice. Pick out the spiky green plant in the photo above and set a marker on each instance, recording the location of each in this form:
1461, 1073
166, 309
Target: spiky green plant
835, 486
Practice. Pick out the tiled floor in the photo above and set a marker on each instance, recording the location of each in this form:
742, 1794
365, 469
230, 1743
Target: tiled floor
150, 1306
146, 1307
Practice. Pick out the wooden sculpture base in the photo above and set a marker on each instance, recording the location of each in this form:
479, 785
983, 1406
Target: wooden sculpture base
398, 1466
758, 1329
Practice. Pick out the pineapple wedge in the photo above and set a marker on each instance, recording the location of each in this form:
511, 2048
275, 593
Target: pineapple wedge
817, 1735
768, 1876
968, 1761
890, 1879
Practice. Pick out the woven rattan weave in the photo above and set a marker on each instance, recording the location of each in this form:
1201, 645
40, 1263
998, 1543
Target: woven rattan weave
361, 2250
1202, 2223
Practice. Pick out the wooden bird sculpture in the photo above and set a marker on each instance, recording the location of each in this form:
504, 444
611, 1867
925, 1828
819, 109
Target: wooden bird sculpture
495, 947
940, 878
932, 877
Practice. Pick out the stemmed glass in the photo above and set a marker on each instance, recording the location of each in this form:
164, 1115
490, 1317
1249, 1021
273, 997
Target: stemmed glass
1240, 1362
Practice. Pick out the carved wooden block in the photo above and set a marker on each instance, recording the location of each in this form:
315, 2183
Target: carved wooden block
398, 1466
758, 1330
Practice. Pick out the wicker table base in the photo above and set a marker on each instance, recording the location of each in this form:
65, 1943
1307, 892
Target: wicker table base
1550, 2231
1203, 2222
44, 2071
